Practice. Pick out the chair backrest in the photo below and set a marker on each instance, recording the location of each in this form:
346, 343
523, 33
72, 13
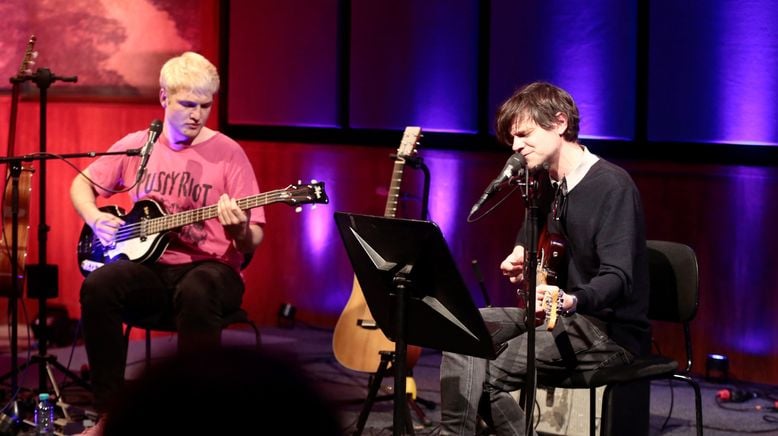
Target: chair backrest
674, 281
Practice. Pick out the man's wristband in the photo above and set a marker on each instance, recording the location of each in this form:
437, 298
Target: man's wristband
572, 306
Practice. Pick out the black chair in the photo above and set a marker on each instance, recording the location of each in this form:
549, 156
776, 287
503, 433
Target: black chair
674, 298
168, 325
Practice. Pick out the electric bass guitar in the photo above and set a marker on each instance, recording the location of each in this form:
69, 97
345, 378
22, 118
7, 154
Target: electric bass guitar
147, 229
357, 340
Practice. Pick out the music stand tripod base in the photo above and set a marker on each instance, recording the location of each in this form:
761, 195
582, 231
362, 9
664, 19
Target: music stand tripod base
414, 291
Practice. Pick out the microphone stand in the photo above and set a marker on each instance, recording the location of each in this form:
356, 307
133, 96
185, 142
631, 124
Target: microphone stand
530, 194
417, 162
529, 191
42, 358
45, 284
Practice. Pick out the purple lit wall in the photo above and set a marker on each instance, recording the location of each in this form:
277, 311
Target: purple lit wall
588, 48
752, 223
713, 72
414, 63
446, 185
710, 68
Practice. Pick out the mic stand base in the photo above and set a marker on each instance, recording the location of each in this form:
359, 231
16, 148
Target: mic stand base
49, 362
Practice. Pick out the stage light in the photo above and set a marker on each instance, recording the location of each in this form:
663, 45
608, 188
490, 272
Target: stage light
717, 368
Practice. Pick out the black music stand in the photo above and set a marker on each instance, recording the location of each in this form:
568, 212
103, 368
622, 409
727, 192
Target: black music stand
415, 293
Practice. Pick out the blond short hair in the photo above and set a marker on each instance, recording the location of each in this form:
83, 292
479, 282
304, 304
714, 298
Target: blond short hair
190, 72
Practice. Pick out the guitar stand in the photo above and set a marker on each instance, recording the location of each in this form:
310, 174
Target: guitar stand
372, 397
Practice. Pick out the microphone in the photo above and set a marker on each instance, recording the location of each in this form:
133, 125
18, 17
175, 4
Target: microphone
154, 130
514, 167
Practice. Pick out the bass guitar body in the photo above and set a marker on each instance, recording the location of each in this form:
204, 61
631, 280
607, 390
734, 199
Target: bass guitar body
92, 254
357, 341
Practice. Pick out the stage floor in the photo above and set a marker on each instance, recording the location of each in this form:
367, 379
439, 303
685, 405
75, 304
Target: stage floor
311, 350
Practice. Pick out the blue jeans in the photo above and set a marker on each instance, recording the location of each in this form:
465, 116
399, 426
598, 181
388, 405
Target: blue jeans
468, 382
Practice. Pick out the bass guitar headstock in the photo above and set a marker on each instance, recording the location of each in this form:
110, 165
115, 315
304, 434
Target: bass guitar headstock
299, 194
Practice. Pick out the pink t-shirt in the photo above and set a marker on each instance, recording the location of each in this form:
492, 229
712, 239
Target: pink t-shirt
192, 178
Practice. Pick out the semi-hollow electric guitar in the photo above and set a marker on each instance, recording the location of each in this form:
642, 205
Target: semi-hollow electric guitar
357, 340
550, 267
147, 229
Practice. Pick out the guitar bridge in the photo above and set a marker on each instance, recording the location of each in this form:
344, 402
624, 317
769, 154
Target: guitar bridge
143, 229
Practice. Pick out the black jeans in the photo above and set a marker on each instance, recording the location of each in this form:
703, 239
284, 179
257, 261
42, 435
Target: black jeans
193, 295
466, 382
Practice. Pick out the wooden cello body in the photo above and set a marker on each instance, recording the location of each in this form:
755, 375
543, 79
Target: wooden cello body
20, 223
22, 228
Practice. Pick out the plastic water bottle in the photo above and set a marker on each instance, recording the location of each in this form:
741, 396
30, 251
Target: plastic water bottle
44, 415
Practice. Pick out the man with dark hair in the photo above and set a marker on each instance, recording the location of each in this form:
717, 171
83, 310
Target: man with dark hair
602, 296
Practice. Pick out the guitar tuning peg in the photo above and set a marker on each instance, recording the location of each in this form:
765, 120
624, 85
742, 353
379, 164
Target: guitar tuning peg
299, 182
298, 209
314, 181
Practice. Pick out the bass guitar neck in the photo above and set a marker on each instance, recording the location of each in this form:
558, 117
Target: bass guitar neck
146, 232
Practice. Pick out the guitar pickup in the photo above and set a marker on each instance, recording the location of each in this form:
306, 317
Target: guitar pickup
368, 324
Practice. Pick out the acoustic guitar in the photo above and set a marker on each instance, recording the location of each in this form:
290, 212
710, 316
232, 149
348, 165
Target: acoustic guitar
24, 190
357, 340
147, 229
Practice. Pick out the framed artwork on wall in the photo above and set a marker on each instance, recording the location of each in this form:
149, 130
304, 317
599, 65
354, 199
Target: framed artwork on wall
115, 48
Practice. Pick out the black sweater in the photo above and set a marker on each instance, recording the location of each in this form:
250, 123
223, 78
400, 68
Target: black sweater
607, 270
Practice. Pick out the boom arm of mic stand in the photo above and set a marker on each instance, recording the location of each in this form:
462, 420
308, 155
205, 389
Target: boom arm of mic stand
50, 156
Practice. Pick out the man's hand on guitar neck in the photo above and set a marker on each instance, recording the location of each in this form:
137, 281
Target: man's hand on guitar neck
235, 221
